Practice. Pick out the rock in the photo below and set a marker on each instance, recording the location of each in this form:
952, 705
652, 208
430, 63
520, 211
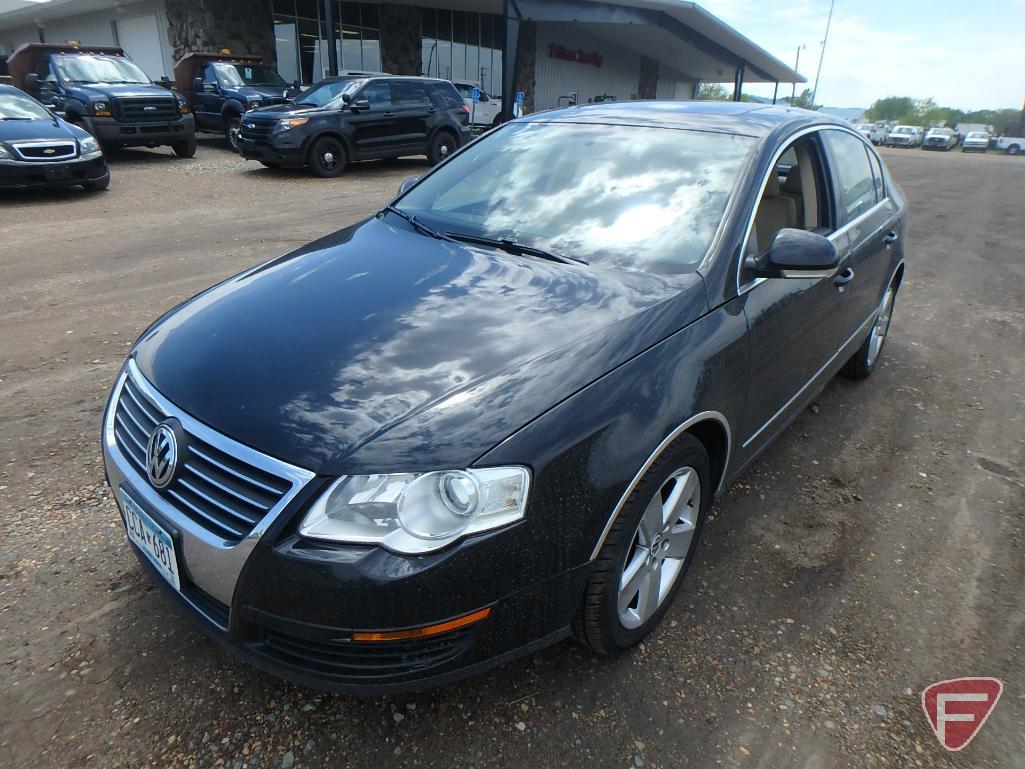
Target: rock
520, 726
399, 718
829, 725
879, 710
288, 760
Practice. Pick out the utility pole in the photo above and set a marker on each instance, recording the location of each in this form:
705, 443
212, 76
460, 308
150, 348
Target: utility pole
797, 66
822, 54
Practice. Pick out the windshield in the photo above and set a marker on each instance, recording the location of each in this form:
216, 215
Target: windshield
977, 135
644, 199
903, 129
330, 91
14, 107
99, 69
238, 75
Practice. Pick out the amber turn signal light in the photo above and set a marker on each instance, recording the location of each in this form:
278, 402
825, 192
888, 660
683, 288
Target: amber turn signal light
422, 632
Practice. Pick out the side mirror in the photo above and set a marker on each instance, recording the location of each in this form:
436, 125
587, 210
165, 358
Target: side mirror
407, 184
31, 82
484, 98
197, 85
297, 85
796, 254
360, 105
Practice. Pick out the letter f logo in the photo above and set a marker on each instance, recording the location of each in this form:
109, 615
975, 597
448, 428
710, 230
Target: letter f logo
958, 708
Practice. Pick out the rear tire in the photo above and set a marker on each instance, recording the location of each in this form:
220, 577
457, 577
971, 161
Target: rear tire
864, 361
443, 145
186, 148
327, 157
636, 575
1014, 149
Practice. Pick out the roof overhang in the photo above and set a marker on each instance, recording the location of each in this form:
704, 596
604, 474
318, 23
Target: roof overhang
23, 13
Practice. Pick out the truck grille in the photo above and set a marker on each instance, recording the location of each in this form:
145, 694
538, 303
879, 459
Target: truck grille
145, 109
257, 130
224, 495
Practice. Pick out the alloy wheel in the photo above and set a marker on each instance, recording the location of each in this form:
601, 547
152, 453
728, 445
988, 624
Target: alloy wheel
660, 547
881, 327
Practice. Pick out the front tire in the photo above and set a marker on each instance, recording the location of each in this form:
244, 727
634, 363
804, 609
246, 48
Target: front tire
186, 148
864, 361
327, 157
443, 145
232, 128
645, 557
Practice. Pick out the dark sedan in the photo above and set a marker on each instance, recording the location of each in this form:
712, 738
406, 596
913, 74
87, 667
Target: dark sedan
39, 149
498, 412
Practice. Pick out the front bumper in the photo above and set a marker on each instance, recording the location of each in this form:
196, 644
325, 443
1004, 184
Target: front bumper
111, 132
290, 606
974, 147
289, 152
21, 174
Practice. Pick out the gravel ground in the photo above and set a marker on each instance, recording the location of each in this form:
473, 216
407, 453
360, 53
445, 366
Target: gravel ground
876, 548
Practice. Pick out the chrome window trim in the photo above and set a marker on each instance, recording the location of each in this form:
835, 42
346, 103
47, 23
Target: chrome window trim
833, 236
702, 417
212, 563
811, 381
17, 146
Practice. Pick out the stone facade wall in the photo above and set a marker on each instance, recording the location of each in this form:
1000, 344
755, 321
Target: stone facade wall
526, 69
647, 86
400, 39
244, 26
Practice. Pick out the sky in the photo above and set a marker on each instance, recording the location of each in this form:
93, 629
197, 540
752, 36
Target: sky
968, 54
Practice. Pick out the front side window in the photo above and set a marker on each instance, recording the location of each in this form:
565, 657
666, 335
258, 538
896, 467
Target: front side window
239, 75
632, 198
329, 92
83, 68
378, 93
853, 173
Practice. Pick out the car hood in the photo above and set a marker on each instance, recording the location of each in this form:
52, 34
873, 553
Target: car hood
24, 130
378, 349
264, 92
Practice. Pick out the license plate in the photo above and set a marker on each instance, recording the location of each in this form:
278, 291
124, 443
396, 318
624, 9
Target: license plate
58, 172
151, 539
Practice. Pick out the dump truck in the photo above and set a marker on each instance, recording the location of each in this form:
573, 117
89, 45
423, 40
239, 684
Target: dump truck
221, 87
100, 89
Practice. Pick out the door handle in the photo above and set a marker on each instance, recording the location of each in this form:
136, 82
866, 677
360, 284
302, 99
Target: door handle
844, 279
891, 237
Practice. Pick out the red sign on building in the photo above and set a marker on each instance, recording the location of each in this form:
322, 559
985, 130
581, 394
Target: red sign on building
583, 57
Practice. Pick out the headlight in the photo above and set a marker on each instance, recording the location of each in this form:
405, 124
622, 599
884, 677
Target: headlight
183, 108
415, 513
101, 108
88, 146
4, 154
291, 122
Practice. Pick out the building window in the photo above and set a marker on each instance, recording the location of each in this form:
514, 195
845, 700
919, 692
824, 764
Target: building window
465, 46
302, 42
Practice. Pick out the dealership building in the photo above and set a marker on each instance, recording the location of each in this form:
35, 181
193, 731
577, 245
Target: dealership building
550, 50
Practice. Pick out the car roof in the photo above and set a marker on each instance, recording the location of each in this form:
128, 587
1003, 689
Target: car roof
745, 118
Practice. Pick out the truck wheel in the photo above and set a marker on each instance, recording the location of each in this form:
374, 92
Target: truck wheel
327, 157
186, 148
232, 129
99, 185
1014, 149
444, 144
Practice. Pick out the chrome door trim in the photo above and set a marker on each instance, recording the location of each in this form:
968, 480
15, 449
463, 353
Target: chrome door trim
702, 417
210, 562
811, 381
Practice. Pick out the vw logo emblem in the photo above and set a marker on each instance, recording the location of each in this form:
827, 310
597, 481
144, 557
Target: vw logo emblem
162, 456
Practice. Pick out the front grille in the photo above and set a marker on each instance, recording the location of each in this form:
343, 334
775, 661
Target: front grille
224, 495
47, 152
344, 659
257, 130
145, 109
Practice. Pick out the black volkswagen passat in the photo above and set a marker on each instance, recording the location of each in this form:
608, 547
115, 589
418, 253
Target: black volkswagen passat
498, 412
40, 149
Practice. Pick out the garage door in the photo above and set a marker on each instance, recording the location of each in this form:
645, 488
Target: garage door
141, 40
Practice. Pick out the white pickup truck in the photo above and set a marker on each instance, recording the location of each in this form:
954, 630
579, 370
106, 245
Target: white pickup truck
1012, 145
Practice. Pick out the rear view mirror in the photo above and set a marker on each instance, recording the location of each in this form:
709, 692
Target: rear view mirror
796, 254
407, 184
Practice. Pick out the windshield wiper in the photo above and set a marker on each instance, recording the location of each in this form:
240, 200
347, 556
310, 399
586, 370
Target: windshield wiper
420, 226
510, 246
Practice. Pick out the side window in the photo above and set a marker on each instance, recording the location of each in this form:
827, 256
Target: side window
877, 172
853, 173
378, 93
406, 94
465, 91
209, 76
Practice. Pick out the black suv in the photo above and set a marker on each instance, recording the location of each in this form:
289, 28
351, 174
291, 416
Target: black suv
358, 116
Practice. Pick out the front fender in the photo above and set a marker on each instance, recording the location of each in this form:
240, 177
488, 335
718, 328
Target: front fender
231, 108
586, 452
